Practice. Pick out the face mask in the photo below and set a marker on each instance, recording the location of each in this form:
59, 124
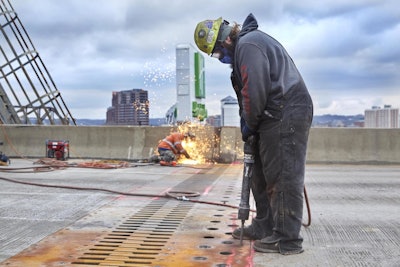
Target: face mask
227, 56
224, 56
226, 59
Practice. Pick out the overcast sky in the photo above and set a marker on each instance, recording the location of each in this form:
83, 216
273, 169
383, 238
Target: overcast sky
347, 51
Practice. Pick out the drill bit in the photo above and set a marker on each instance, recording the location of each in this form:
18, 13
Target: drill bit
241, 233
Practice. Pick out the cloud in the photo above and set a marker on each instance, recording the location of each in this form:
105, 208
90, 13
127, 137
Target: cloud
347, 51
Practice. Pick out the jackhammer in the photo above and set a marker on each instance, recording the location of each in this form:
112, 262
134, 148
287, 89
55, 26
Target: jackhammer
244, 206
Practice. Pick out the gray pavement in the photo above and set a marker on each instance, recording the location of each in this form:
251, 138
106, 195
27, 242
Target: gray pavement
355, 217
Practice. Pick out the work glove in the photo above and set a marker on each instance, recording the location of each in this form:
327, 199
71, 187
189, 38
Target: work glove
246, 131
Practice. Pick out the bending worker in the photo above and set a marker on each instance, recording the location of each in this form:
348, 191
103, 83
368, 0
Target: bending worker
171, 147
276, 108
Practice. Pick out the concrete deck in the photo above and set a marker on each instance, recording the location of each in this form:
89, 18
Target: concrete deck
355, 217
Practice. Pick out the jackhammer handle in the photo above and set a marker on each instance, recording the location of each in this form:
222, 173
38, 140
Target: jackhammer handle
248, 147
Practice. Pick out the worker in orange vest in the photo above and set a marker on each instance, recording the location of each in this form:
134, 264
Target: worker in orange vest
171, 147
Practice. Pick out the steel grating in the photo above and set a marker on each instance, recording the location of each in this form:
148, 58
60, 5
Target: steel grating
140, 239
175, 233
132, 231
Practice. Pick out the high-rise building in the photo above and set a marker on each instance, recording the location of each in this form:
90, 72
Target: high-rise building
170, 115
230, 112
386, 117
190, 85
130, 107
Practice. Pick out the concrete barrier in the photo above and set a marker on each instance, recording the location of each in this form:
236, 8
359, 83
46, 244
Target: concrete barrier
221, 144
354, 145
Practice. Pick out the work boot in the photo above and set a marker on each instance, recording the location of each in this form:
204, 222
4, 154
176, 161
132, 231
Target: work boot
262, 246
272, 238
248, 233
266, 247
164, 163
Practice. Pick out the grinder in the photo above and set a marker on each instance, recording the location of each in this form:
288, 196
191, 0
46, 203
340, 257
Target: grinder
244, 206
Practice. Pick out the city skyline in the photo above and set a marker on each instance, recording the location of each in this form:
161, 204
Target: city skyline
346, 51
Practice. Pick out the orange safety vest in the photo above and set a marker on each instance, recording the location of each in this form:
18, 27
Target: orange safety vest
173, 142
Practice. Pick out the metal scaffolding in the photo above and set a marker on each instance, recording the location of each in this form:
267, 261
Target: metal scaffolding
28, 94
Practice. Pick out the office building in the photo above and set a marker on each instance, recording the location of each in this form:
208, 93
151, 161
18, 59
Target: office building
130, 107
230, 112
386, 117
170, 115
190, 85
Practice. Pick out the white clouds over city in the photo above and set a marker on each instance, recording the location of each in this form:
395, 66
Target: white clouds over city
347, 51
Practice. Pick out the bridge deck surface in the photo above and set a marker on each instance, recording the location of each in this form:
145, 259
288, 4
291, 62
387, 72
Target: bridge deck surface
354, 208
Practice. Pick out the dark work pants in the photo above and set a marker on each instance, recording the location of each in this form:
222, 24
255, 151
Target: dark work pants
166, 155
278, 175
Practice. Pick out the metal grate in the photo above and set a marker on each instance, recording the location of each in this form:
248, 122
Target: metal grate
139, 240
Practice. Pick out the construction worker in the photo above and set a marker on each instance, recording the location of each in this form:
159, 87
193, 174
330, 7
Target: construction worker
171, 147
275, 107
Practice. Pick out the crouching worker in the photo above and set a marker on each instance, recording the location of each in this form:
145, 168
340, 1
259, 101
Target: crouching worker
170, 148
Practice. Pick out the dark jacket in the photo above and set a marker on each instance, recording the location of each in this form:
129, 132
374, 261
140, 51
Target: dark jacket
265, 73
